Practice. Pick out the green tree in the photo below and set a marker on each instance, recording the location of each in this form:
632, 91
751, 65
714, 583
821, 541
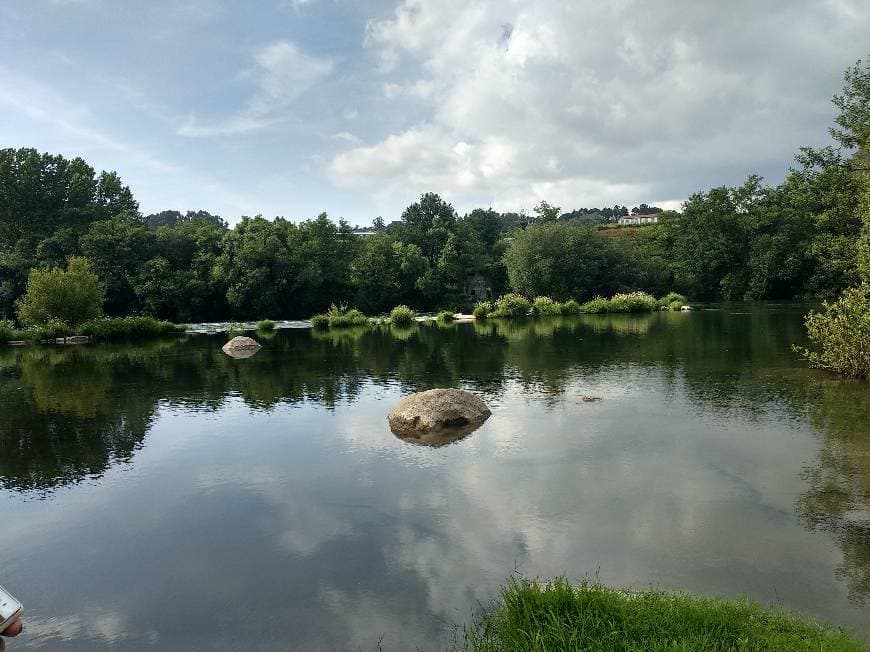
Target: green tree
710, 241
547, 213
376, 274
562, 260
72, 295
117, 248
853, 122
256, 267
864, 240
451, 248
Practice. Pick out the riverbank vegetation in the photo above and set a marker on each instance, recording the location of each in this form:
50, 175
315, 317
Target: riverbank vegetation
101, 329
841, 334
558, 616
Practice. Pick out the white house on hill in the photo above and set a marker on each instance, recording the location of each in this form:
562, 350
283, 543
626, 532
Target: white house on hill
651, 218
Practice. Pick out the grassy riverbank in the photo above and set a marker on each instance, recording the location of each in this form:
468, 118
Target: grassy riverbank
559, 616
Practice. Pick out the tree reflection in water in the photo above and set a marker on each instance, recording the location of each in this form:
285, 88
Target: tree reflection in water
67, 414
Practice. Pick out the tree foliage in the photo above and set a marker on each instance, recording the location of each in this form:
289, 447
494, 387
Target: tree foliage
72, 295
841, 333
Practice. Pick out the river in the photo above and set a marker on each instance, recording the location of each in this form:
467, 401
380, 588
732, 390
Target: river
167, 496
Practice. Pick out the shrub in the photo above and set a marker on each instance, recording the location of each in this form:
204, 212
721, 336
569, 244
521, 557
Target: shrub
633, 302
570, 307
320, 321
596, 306
676, 305
72, 295
482, 309
402, 316
842, 334
266, 325
446, 315
512, 305
135, 327
544, 307
671, 298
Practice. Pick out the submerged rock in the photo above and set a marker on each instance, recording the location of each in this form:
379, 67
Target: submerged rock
438, 416
241, 347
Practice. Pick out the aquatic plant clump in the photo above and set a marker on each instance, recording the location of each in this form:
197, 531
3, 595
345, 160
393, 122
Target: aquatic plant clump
841, 334
348, 319
265, 325
672, 298
340, 317
134, 327
402, 316
633, 302
569, 307
511, 306
559, 616
483, 309
596, 306
622, 303
545, 307
445, 315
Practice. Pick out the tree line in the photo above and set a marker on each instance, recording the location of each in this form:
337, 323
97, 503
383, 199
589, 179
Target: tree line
799, 239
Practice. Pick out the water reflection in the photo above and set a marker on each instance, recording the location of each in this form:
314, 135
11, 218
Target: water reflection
688, 473
838, 497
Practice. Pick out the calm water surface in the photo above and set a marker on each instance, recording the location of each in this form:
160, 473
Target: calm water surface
167, 496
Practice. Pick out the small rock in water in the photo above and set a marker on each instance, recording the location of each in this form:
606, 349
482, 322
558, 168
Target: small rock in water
437, 416
241, 347
591, 399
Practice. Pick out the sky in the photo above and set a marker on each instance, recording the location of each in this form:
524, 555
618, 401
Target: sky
356, 107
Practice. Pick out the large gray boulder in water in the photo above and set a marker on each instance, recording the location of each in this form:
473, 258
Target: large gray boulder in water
437, 416
241, 347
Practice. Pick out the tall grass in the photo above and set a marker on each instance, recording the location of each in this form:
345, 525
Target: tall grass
671, 298
558, 616
445, 315
545, 307
596, 306
402, 316
633, 302
119, 328
340, 317
624, 303
483, 309
103, 328
265, 325
511, 306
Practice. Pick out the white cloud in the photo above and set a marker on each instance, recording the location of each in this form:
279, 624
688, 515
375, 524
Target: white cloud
295, 5
282, 74
591, 103
347, 137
